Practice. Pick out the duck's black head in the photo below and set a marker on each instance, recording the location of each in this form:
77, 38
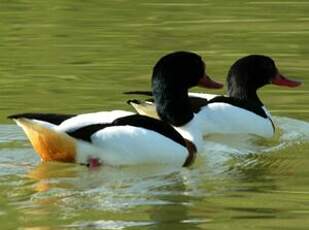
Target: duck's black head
252, 72
178, 70
172, 76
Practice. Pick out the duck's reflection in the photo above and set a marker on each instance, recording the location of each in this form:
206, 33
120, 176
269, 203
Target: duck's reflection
164, 193
52, 174
159, 197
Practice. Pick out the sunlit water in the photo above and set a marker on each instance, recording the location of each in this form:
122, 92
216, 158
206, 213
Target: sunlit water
77, 56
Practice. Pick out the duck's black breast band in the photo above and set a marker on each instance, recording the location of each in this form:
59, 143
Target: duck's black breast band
247, 105
135, 120
53, 118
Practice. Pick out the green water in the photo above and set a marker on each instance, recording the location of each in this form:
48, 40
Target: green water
79, 56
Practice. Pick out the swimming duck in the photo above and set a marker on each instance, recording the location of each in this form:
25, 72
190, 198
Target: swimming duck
240, 112
116, 137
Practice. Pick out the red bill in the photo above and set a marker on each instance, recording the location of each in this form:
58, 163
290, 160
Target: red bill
284, 81
207, 82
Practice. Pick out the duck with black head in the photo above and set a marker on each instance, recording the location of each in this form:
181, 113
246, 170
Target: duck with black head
240, 112
173, 75
117, 137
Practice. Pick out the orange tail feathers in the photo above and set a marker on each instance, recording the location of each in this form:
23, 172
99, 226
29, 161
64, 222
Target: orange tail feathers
48, 143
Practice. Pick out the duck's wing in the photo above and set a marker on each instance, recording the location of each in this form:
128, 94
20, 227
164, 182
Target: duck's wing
147, 107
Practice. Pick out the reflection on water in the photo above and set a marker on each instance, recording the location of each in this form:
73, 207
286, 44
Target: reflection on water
79, 56
249, 183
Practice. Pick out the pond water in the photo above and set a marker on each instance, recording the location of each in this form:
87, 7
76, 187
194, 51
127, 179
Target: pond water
78, 56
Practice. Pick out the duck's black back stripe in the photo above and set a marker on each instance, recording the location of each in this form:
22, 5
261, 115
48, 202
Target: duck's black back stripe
149, 123
86, 132
247, 105
197, 103
53, 118
152, 124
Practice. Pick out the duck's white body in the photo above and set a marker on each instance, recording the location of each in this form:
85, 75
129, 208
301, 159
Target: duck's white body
82, 120
115, 145
224, 118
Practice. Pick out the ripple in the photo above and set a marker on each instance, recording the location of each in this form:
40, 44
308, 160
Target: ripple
10, 133
110, 224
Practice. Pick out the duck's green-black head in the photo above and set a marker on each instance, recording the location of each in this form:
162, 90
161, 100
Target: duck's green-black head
252, 72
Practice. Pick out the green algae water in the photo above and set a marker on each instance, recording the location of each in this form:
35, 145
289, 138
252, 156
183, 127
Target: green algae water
79, 56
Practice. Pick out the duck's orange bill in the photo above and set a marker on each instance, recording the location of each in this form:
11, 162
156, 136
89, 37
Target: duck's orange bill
207, 82
283, 81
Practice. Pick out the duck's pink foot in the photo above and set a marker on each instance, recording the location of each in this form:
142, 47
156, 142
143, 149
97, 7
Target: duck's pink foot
94, 162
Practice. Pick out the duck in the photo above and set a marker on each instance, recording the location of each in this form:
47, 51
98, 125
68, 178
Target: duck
241, 112
118, 137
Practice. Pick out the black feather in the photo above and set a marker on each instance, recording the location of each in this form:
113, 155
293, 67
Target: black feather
251, 106
146, 93
86, 132
53, 118
135, 120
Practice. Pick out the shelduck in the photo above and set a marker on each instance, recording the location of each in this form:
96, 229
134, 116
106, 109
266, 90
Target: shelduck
117, 137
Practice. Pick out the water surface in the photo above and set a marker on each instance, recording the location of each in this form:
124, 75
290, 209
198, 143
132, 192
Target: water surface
79, 56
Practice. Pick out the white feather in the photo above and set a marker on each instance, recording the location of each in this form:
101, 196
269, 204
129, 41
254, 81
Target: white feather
86, 119
120, 145
203, 95
44, 123
223, 118
128, 145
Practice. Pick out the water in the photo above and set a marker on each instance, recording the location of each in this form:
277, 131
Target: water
79, 56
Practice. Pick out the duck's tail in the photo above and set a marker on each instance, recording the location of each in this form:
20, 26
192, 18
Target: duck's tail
50, 144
